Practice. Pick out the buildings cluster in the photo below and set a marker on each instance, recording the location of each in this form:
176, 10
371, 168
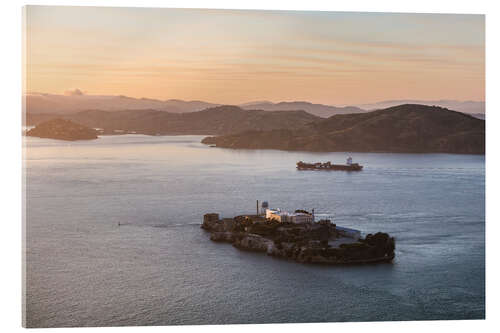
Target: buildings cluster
282, 216
300, 216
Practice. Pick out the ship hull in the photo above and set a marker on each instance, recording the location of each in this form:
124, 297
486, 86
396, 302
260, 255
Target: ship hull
333, 167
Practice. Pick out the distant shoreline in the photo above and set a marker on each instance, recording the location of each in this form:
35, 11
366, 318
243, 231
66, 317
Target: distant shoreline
349, 151
408, 128
259, 149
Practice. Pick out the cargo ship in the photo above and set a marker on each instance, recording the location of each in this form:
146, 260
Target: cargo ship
349, 166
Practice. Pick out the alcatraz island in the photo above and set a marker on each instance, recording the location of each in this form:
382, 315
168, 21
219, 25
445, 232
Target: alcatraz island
297, 236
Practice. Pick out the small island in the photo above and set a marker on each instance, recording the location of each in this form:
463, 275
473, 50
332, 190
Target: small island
62, 129
298, 237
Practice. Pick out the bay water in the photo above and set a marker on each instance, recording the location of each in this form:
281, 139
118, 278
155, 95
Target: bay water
113, 234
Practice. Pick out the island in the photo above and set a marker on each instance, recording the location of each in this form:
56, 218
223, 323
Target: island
62, 129
298, 237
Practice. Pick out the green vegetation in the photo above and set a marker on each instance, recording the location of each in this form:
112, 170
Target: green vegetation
62, 129
408, 128
307, 242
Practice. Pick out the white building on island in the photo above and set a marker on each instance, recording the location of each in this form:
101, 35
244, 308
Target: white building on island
282, 216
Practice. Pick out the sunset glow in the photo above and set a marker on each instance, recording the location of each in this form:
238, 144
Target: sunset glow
234, 56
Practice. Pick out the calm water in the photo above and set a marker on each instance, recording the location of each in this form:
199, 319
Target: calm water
160, 268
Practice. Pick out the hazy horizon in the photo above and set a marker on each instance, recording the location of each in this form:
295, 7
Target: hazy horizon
240, 56
79, 92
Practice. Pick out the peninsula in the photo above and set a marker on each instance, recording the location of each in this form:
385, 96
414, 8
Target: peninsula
298, 237
409, 128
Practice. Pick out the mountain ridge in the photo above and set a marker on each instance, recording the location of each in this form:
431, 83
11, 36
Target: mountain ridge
211, 121
408, 128
320, 110
472, 107
39, 103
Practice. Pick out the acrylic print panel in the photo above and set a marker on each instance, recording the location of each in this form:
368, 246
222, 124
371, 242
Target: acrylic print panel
188, 166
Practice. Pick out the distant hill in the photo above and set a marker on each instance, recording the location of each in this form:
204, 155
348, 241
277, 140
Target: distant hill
39, 103
319, 110
62, 129
212, 121
472, 107
479, 115
76, 101
405, 128
68, 104
33, 119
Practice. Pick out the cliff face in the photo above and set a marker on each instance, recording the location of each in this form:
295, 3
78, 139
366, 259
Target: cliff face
62, 129
404, 129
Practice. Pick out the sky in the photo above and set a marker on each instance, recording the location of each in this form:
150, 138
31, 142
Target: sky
237, 56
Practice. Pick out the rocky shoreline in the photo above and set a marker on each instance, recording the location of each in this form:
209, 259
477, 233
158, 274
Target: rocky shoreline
319, 242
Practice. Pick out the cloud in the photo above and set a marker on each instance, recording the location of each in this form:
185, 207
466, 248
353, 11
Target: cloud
73, 92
